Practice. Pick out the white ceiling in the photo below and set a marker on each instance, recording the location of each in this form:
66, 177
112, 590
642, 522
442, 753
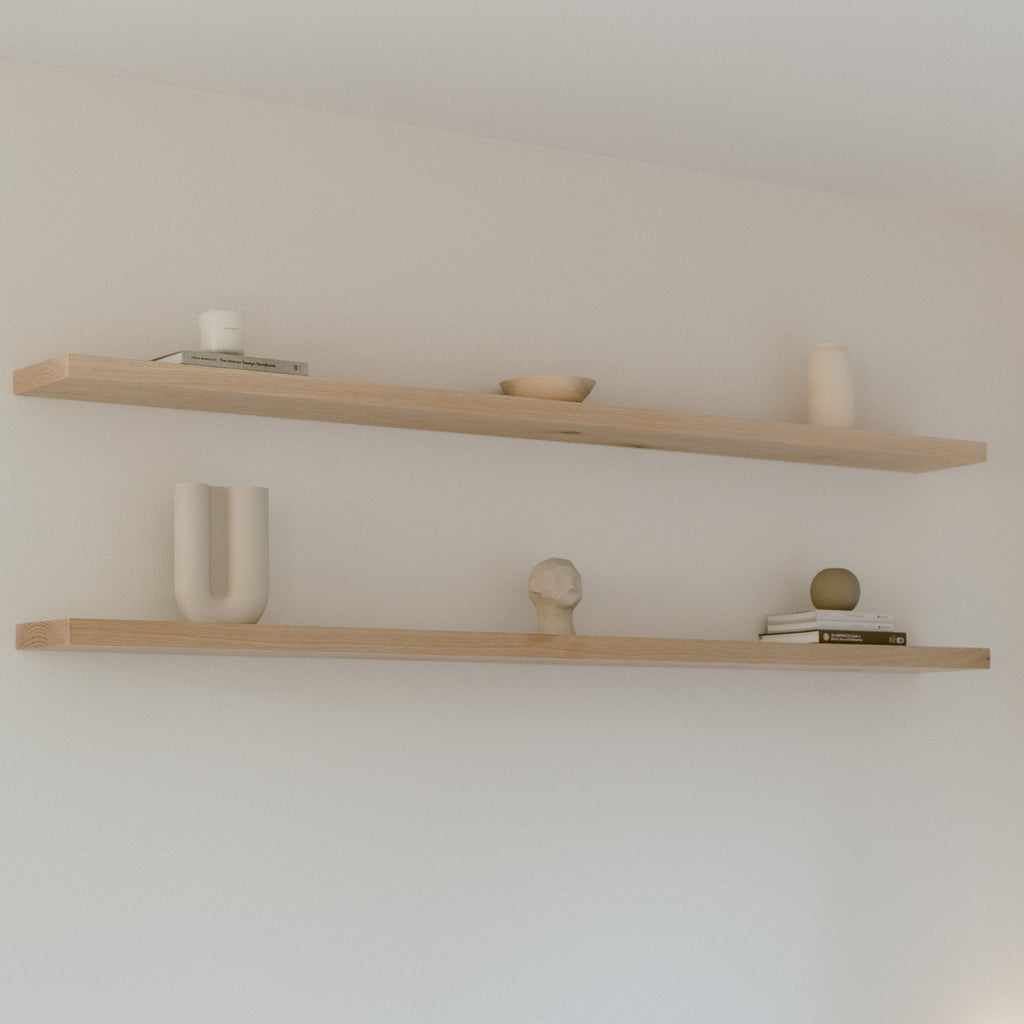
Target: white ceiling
918, 100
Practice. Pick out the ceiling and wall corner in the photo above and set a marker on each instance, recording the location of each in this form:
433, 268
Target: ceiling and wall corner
913, 100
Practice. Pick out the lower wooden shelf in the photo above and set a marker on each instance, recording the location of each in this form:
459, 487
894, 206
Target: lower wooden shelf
138, 636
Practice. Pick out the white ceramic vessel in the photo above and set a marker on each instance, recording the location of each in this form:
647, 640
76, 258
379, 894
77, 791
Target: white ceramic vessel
830, 397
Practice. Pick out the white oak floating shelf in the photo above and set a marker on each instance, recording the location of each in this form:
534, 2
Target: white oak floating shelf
142, 382
137, 636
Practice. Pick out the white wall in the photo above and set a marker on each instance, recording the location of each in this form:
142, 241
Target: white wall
264, 840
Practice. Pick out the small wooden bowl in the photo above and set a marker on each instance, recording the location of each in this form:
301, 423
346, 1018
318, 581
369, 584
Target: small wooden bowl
559, 389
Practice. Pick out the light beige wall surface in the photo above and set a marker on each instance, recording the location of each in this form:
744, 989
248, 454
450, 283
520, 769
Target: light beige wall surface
263, 840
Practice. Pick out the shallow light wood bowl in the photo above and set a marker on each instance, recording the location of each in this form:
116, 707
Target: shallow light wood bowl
561, 389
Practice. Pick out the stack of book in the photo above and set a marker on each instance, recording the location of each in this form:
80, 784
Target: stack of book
831, 626
234, 361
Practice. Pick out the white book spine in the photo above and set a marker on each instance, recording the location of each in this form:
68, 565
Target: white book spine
233, 361
830, 615
810, 627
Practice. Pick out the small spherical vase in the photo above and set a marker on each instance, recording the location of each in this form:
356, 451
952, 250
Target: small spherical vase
835, 588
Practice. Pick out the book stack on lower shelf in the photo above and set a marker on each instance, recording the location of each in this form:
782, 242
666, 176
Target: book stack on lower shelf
832, 626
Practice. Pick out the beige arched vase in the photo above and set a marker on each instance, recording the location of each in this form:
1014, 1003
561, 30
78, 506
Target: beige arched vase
221, 552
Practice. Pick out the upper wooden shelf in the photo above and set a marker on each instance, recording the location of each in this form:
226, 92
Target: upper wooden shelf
141, 382
134, 636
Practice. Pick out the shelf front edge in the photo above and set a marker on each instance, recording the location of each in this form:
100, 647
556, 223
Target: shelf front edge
139, 636
141, 382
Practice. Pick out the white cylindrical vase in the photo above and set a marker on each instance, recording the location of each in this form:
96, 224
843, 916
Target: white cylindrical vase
221, 552
830, 397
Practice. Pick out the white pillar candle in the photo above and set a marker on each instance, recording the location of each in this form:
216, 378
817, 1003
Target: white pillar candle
220, 330
221, 552
830, 400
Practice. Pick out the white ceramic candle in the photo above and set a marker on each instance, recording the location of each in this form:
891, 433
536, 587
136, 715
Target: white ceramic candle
220, 330
221, 552
830, 399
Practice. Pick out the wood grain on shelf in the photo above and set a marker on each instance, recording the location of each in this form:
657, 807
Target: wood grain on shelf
139, 382
128, 635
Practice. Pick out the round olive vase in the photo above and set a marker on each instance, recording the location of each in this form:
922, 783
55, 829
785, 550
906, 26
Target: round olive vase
835, 588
